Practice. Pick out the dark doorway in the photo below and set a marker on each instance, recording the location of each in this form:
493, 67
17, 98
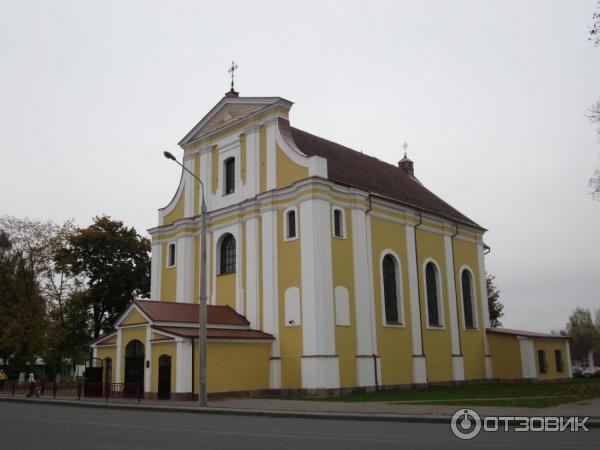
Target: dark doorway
164, 377
134, 368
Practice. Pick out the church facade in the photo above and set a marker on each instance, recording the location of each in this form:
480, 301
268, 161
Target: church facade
327, 269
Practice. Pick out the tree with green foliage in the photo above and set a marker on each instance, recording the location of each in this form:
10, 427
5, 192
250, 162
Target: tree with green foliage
594, 113
22, 309
496, 308
582, 329
115, 262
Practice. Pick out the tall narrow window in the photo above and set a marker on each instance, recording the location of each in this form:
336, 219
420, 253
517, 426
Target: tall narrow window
431, 282
467, 292
291, 224
229, 176
390, 290
542, 361
559, 361
227, 257
171, 255
338, 223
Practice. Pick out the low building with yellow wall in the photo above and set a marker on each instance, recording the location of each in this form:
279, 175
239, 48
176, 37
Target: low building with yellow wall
352, 271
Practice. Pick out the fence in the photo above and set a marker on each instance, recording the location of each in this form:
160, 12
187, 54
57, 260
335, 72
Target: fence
79, 390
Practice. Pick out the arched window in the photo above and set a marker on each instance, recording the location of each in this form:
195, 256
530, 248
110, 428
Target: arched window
227, 254
433, 301
290, 221
390, 290
229, 175
467, 294
171, 255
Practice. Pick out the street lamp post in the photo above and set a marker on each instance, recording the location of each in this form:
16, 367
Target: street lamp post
202, 397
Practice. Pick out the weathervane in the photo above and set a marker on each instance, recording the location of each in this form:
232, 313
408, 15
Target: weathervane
232, 70
405, 147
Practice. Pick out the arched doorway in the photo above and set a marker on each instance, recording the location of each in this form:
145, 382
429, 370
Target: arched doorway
134, 367
164, 377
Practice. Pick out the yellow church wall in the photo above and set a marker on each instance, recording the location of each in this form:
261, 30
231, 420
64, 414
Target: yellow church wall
226, 289
260, 276
262, 140
111, 340
287, 170
134, 318
343, 275
549, 346
290, 337
243, 167
108, 352
235, 366
177, 212
169, 278
436, 341
159, 349
394, 343
506, 356
471, 340
128, 335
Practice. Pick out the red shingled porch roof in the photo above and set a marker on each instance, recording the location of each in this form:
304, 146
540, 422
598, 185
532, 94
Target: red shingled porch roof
189, 313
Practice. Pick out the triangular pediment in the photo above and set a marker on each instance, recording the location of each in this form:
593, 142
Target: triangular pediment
230, 111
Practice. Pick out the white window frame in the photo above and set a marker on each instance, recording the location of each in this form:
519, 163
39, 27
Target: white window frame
440, 293
399, 297
286, 236
169, 245
343, 215
224, 175
473, 300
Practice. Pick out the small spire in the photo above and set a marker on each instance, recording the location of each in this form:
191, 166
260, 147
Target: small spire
406, 163
232, 69
405, 147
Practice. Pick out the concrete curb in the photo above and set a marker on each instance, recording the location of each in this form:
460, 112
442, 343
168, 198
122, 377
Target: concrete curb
371, 417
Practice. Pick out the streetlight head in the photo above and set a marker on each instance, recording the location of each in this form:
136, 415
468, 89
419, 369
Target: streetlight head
169, 156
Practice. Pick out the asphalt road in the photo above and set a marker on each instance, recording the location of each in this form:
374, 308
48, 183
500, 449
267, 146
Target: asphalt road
41, 426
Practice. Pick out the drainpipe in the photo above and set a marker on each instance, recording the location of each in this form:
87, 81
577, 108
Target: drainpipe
369, 209
455, 289
419, 281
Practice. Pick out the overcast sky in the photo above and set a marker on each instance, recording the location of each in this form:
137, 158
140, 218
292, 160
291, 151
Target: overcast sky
490, 95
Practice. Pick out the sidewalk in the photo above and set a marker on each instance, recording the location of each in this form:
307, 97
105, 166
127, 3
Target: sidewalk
324, 410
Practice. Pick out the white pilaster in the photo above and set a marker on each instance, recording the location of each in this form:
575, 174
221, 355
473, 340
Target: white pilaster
251, 187
184, 366
458, 368
156, 271
527, 357
320, 365
252, 281
239, 288
185, 269
148, 357
485, 310
271, 154
189, 182
419, 361
568, 359
366, 346
270, 323
118, 362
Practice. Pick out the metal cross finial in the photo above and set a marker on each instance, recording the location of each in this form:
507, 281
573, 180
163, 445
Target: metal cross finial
405, 147
232, 70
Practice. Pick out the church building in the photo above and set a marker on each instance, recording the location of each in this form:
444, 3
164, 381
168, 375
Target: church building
328, 269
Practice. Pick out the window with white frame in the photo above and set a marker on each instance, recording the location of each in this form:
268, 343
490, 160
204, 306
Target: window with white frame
171, 249
391, 290
229, 172
467, 297
432, 290
339, 227
291, 224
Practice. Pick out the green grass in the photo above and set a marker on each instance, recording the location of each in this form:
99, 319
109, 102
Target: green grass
492, 394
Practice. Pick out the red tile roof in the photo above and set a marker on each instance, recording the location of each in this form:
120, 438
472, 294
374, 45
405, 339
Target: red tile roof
525, 333
189, 313
351, 168
216, 333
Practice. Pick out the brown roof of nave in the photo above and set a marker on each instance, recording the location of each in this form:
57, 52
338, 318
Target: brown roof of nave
355, 169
